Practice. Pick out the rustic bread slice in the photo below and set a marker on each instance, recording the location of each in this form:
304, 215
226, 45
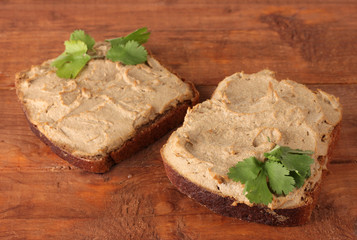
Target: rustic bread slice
107, 113
246, 116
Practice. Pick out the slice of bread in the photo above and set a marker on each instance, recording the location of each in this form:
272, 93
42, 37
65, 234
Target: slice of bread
107, 113
246, 116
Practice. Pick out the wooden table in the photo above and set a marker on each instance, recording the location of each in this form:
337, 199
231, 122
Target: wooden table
43, 197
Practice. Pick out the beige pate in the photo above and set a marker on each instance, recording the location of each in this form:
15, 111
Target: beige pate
103, 107
244, 112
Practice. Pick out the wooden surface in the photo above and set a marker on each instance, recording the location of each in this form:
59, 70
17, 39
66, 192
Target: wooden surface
43, 197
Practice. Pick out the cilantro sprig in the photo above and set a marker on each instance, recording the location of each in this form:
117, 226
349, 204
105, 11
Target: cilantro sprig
74, 58
130, 53
283, 170
127, 50
140, 36
82, 36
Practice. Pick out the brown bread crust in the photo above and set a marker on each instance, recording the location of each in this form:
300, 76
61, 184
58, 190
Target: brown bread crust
260, 214
146, 135
153, 131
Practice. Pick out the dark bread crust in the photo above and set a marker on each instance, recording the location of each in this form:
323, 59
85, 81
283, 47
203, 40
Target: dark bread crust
98, 165
146, 135
260, 214
153, 131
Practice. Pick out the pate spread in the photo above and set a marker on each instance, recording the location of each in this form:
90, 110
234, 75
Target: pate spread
103, 107
247, 116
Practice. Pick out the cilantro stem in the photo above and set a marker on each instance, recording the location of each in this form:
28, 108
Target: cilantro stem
97, 57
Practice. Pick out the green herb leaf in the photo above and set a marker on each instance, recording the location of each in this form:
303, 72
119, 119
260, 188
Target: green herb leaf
251, 172
284, 167
131, 53
245, 170
140, 36
257, 189
272, 157
74, 58
82, 36
279, 180
275, 153
128, 49
125, 49
299, 180
299, 163
298, 151
292, 159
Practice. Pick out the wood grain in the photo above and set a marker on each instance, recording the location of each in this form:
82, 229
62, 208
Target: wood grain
43, 197
203, 41
112, 205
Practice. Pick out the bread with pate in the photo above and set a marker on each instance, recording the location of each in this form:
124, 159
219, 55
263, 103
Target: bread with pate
107, 113
248, 115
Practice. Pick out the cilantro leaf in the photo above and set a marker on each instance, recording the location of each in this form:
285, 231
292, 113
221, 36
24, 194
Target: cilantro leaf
68, 65
82, 36
299, 180
276, 152
74, 58
128, 49
250, 172
285, 169
246, 170
140, 36
298, 151
292, 159
272, 157
125, 49
279, 179
297, 162
130, 54
75, 47
257, 189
